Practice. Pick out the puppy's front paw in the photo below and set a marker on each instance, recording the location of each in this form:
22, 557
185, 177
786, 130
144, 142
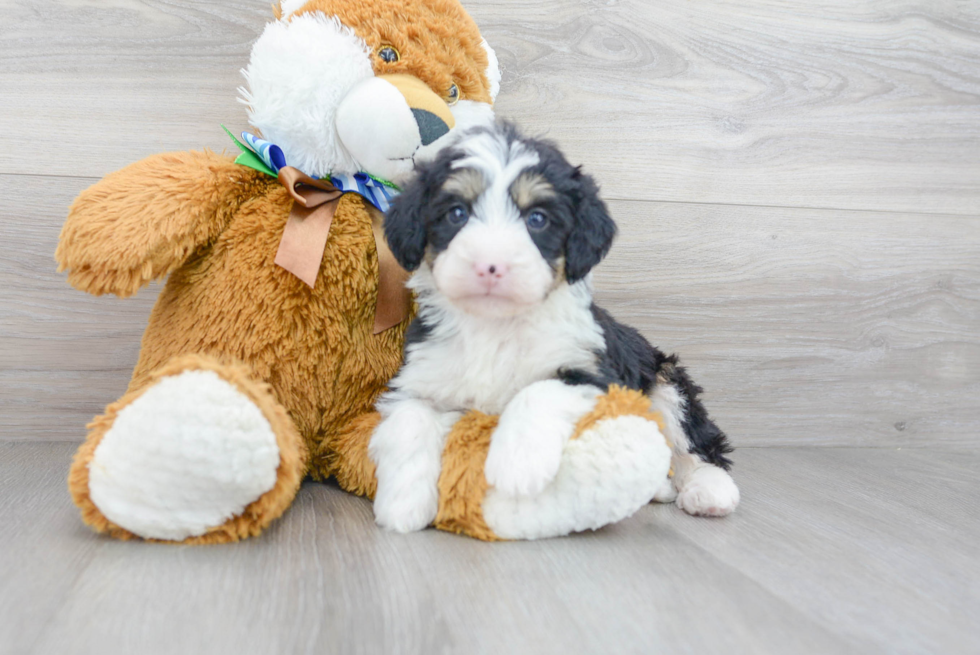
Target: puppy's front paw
708, 491
406, 449
411, 510
522, 463
525, 449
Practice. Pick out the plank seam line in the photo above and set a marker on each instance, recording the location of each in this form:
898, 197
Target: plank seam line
644, 200
42, 440
793, 207
66, 177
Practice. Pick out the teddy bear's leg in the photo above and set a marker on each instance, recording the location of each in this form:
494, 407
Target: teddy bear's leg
202, 453
606, 474
617, 459
613, 465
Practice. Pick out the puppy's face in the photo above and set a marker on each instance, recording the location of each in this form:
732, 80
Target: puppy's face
501, 221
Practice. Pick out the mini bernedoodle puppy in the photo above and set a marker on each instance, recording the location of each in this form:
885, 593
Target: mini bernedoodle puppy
502, 233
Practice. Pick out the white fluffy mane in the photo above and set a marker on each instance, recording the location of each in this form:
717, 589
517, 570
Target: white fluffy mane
298, 73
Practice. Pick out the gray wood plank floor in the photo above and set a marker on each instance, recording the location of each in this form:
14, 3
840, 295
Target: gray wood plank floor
833, 551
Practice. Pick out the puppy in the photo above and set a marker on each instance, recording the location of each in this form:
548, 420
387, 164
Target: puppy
502, 233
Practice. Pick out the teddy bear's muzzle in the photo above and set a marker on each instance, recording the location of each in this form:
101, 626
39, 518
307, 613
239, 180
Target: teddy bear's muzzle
384, 120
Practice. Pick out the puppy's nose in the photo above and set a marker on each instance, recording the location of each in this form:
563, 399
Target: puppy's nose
490, 271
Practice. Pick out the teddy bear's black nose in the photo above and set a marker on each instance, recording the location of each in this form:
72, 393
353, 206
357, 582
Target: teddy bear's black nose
431, 127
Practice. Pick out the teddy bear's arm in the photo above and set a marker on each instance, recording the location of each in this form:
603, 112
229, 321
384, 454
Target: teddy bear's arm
142, 222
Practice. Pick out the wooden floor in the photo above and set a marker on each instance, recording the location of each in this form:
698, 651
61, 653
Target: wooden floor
835, 551
798, 190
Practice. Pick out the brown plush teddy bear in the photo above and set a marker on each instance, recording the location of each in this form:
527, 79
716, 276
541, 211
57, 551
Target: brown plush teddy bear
283, 315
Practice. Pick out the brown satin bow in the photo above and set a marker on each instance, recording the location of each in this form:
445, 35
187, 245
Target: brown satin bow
304, 240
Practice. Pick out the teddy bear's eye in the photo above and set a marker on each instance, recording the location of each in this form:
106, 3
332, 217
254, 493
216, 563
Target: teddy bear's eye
453, 96
388, 54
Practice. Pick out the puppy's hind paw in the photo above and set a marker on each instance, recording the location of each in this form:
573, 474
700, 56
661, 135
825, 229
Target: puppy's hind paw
708, 491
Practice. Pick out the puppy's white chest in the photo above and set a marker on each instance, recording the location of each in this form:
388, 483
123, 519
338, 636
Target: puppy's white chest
491, 372
483, 364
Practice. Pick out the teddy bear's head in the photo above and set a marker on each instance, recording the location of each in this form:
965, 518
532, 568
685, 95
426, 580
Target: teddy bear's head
343, 86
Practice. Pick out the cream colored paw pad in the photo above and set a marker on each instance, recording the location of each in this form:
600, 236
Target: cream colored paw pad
191, 452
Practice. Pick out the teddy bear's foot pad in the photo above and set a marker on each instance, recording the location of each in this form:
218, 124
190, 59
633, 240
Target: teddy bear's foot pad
606, 475
189, 453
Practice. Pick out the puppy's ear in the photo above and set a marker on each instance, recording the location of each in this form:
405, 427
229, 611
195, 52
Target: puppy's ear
405, 227
593, 231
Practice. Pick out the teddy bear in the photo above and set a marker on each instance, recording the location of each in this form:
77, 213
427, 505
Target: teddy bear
283, 314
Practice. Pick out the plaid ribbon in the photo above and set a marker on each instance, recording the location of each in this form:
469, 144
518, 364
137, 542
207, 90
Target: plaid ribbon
377, 192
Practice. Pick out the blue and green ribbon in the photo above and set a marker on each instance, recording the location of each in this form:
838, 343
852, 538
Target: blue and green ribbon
268, 158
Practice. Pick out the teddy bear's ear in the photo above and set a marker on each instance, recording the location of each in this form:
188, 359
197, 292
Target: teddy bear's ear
493, 71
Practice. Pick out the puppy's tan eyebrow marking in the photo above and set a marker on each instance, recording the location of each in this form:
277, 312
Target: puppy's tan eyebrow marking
530, 189
467, 183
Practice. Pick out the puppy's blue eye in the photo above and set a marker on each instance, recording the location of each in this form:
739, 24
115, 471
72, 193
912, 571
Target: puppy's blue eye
537, 220
457, 215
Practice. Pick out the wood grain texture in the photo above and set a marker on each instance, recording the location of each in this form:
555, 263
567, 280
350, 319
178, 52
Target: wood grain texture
64, 355
810, 326
878, 543
871, 104
833, 551
805, 326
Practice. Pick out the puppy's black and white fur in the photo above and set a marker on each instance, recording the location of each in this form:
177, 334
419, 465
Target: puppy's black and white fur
502, 233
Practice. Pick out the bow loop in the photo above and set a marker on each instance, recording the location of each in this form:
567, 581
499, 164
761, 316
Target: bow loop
307, 191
